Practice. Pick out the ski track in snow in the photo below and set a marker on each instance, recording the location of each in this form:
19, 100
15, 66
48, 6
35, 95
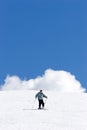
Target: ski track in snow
66, 111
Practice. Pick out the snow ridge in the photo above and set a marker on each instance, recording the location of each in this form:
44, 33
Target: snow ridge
66, 111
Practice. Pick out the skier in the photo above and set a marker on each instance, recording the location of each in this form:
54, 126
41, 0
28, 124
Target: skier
40, 97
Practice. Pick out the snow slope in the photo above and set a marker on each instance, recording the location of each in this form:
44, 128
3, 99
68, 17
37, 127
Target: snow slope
66, 111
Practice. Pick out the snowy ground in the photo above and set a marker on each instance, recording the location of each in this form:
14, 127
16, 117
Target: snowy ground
65, 111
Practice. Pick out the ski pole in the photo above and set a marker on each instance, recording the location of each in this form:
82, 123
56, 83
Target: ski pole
34, 103
45, 101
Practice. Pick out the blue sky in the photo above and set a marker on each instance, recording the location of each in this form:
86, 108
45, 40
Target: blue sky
42, 34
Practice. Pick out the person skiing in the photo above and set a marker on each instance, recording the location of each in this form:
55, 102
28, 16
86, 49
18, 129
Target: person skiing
40, 97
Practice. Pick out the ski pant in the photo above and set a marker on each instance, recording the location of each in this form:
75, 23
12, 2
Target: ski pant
41, 102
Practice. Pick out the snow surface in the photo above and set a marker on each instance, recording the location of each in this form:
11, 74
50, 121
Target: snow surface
65, 111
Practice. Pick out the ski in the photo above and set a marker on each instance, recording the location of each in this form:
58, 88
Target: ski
43, 109
35, 109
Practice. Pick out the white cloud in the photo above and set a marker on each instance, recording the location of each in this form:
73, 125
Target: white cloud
61, 81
